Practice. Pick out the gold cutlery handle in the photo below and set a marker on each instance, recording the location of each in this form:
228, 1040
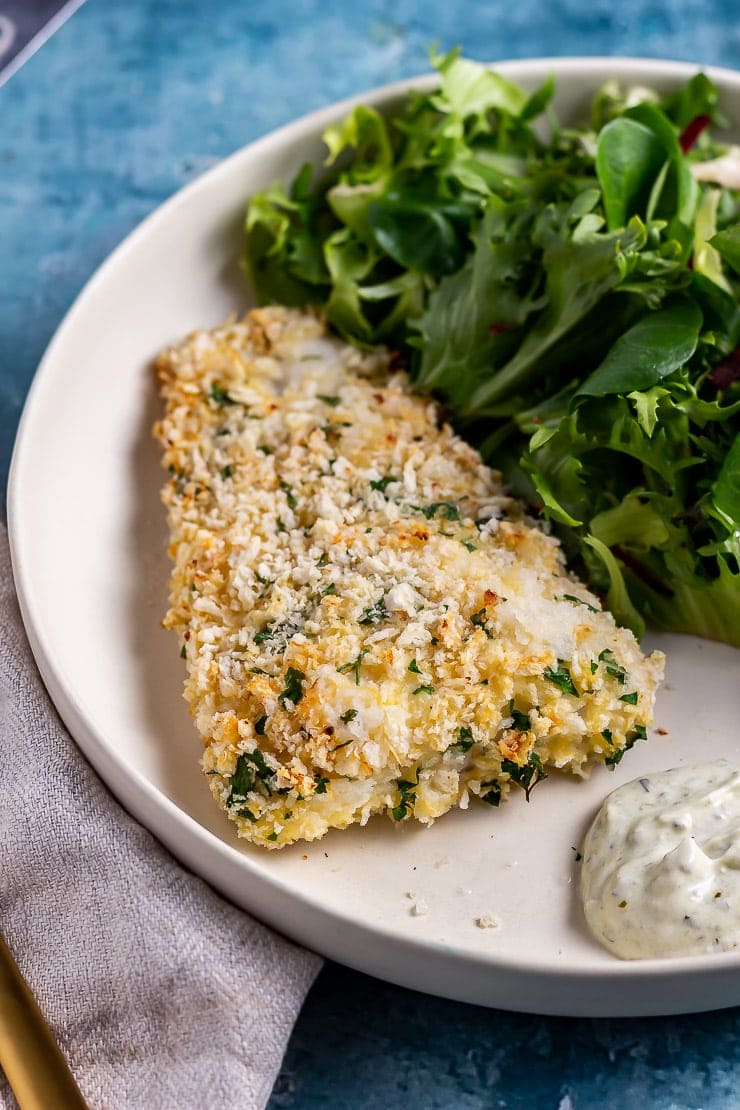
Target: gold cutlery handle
29, 1055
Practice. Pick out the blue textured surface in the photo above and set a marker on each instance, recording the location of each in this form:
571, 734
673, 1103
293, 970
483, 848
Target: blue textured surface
124, 105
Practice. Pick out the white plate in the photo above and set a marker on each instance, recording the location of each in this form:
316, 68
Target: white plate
88, 543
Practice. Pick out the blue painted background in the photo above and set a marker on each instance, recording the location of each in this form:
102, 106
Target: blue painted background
129, 101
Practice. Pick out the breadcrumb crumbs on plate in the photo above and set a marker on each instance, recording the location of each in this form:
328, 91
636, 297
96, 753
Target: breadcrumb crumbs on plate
487, 921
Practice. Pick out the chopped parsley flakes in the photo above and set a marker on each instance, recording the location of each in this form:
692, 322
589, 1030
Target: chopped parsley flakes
293, 691
465, 740
289, 495
561, 677
354, 665
638, 733
612, 667
250, 772
408, 795
382, 483
220, 395
615, 758
480, 620
448, 510
267, 633
519, 721
580, 601
375, 612
526, 775
492, 796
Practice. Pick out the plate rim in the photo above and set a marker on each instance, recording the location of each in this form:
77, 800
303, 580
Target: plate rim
140, 797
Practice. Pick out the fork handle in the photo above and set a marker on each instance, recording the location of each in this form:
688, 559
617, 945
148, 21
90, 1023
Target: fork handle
29, 1055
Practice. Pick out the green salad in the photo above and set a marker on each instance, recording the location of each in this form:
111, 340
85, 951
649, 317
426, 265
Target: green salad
569, 294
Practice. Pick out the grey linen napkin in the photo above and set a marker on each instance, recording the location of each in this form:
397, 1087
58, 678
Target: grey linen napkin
160, 993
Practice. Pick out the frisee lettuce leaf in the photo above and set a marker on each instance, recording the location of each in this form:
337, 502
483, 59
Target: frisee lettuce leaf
570, 294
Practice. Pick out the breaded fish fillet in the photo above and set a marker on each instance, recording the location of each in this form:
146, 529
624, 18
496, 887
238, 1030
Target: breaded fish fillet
369, 623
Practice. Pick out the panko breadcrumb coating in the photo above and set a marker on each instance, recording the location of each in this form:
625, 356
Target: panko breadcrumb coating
370, 625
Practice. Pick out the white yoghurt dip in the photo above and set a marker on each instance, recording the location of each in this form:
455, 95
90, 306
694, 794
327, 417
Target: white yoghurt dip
661, 864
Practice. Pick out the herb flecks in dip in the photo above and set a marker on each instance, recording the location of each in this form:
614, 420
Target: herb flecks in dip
661, 864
